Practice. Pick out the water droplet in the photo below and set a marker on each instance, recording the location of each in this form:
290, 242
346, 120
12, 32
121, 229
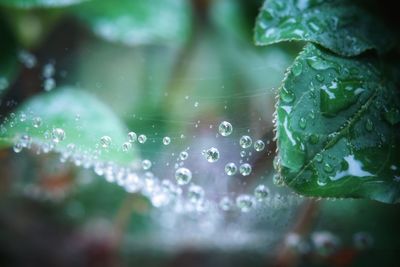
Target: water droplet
339, 95
48, 70
318, 157
302, 123
17, 147
183, 176
325, 243
166, 140
245, 169
318, 63
57, 135
183, 155
22, 117
328, 168
230, 169
297, 68
226, 204
49, 84
286, 95
211, 154
195, 193
261, 192
146, 164
245, 203
320, 77
278, 180
126, 146
369, 126
37, 122
245, 141
142, 139
259, 145
225, 128
132, 137
105, 141
242, 154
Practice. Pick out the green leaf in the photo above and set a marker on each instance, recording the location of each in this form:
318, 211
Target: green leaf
83, 118
39, 3
8, 58
338, 128
137, 22
341, 26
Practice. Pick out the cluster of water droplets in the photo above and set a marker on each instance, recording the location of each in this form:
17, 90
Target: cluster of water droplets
172, 191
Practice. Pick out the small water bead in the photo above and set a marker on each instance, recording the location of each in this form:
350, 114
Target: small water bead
242, 154
245, 169
196, 193
297, 68
245, 203
286, 95
142, 138
278, 180
183, 176
146, 164
57, 135
226, 204
211, 154
17, 147
49, 84
259, 145
37, 122
328, 168
302, 123
22, 117
325, 243
132, 137
261, 192
231, 169
245, 141
225, 128
105, 141
25, 140
183, 155
369, 126
126, 146
318, 157
48, 70
166, 140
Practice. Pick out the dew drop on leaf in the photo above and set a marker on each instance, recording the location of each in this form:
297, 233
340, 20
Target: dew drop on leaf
132, 137
261, 192
146, 164
195, 193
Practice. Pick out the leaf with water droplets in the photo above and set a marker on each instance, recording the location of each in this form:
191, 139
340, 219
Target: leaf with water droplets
73, 122
344, 27
137, 22
339, 136
39, 3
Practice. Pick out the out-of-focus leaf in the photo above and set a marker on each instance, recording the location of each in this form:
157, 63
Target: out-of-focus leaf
8, 58
342, 26
39, 3
83, 118
137, 22
338, 128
